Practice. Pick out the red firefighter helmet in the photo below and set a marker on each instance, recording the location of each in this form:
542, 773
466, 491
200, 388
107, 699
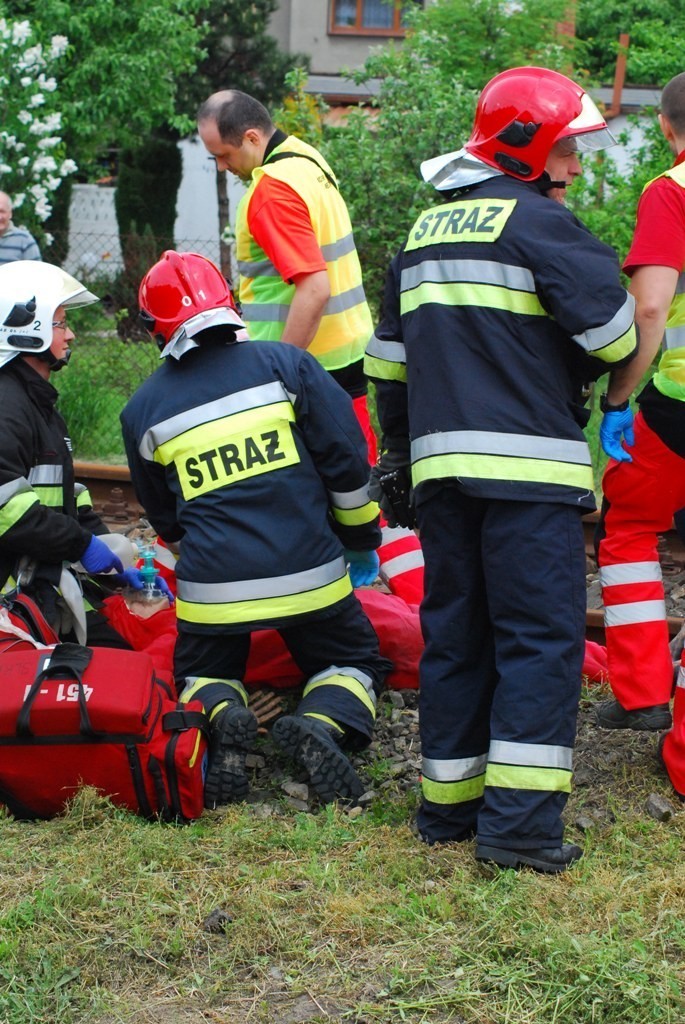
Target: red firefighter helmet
184, 293
522, 112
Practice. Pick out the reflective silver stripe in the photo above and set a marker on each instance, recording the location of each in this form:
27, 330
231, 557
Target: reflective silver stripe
486, 442
269, 312
345, 670
14, 487
350, 499
629, 572
346, 300
502, 275
336, 250
46, 475
257, 590
393, 533
229, 405
674, 337
454, 770
531, 755
264, 268
80, 489
391, 351
599, 337
401, 563
277, 312
634, 612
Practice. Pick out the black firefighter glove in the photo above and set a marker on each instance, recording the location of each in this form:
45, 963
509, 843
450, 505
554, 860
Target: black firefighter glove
390, 485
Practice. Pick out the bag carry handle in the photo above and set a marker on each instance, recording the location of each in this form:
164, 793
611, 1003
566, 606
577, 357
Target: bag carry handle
66, 661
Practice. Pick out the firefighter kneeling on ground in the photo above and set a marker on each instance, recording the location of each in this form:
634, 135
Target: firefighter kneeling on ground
251, 457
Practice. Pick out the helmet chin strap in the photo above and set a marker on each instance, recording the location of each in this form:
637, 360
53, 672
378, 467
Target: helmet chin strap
54, 364
546, 184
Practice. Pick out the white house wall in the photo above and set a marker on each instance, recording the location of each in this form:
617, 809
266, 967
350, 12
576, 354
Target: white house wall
94, 248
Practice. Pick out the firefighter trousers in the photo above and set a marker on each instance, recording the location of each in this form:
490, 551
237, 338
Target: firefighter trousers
504, 626
338, 654
640, 499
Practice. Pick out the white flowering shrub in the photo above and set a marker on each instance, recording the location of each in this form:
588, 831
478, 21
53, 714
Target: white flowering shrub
33, 159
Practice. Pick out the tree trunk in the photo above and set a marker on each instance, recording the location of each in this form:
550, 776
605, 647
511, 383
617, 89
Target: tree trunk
225, 261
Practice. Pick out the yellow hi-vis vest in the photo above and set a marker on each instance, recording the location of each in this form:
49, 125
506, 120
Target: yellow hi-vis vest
265, 297
669, 378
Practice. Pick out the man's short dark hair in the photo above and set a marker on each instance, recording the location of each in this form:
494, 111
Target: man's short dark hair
234, 112
673, 103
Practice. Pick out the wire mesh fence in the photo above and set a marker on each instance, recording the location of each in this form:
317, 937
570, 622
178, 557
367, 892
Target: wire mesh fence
112, 353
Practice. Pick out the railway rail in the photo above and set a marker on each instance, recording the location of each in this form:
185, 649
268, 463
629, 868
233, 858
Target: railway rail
115, 501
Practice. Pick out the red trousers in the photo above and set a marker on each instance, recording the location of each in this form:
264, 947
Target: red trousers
641, 497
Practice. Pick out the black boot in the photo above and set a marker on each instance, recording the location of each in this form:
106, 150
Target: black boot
612, 715
232, 734
548, 860
311, 744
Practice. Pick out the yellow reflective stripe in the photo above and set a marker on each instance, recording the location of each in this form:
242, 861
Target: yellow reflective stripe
53, 497
266, 608
83, 498
196, 749
324, 718
618, 349
502, 467
510, 776
190, 692
465, 293
356, 516
15, 508
384, 369
453, 792
356, 688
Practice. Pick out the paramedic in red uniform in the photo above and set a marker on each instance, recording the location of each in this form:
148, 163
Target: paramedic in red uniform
644, 484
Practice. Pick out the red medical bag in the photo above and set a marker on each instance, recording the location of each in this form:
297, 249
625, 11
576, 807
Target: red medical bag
74, 716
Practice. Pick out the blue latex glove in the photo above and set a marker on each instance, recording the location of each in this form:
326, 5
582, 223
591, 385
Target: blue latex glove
99, 558
363, 567
615, 425
133, 578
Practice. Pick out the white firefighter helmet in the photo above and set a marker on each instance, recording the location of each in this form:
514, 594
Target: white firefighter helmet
30, 292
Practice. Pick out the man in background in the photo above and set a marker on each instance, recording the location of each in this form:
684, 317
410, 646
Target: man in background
15, 243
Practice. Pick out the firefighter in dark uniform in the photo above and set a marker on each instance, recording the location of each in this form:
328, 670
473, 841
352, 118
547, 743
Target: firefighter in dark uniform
251, 457
496, 309
47, 521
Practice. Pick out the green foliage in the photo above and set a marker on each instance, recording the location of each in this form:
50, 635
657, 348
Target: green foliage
147, 185
656, 29
427, 97
471, 40
238, 53
606, 200
120, 82
302, 113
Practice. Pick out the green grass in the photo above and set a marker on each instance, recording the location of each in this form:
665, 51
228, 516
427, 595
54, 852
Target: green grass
346, 919
103, 373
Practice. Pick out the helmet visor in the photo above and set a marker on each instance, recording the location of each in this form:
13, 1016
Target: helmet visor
588, 132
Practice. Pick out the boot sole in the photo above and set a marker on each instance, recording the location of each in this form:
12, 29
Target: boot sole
226, 781
329, 771
639, 723
519, 859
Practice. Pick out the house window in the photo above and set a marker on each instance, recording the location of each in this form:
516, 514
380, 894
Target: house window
368, 17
